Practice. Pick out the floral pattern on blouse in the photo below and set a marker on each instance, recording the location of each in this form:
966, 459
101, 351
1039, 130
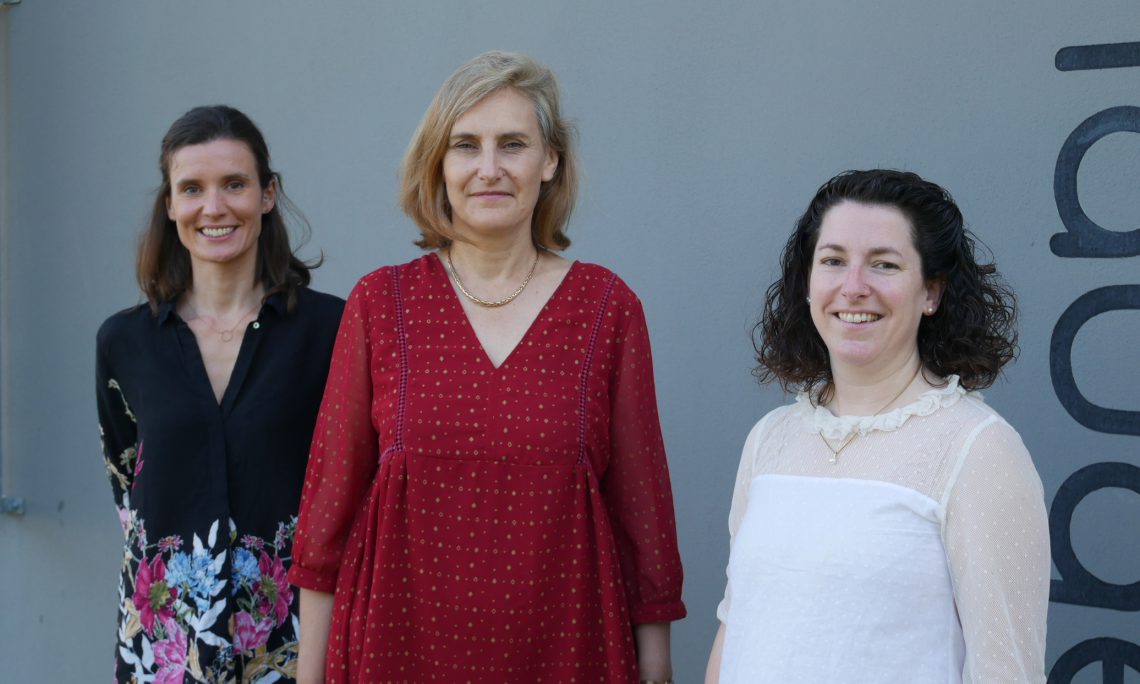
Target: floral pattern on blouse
172, 592
207, 490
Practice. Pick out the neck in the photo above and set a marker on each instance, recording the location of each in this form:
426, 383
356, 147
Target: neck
491, 261
221, 292
863, 394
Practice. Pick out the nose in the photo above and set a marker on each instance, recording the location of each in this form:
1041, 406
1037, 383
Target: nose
489, 164
855, 285
212, 204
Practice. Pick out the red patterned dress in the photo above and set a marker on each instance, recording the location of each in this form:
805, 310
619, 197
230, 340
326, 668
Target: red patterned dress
483, 524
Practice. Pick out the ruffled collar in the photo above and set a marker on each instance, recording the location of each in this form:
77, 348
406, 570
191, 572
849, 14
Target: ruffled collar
833, 427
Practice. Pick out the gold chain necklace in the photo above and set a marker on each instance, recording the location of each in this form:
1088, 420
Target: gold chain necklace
227, 334
851, 438
486, 302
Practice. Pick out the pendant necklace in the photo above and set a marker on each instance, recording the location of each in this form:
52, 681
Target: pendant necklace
226, 334
851, 438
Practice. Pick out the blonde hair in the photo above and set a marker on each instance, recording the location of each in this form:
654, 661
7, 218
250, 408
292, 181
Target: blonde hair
423, 194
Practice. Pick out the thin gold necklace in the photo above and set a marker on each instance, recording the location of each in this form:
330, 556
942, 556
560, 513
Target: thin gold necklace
227, 334
486, 302
851, 438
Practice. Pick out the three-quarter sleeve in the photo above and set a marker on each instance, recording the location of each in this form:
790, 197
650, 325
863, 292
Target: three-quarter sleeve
117, 430
636, 485
997, 541
343, 457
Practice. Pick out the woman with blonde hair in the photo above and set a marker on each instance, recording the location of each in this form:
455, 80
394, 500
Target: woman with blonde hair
488, 498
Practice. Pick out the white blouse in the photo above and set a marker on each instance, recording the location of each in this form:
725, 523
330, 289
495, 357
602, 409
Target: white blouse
921, 555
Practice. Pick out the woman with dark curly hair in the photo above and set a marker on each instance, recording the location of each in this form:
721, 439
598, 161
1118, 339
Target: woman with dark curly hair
888, 526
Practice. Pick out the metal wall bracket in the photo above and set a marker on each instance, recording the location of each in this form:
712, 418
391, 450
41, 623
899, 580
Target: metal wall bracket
12, 505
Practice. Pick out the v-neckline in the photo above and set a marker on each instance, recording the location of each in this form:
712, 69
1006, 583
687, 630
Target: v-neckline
471, 328
237, 373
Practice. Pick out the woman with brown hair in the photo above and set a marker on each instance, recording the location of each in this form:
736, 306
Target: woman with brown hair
888, 526
488, 498
207, 395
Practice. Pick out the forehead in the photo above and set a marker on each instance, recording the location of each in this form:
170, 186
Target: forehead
856, 226
221, 156
503, 110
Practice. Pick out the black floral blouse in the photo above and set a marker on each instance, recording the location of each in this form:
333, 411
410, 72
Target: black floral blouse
207, 493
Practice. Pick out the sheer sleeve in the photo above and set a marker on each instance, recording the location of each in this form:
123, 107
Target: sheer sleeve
343, 457
117, 430
636, 484
740, 501
997, 540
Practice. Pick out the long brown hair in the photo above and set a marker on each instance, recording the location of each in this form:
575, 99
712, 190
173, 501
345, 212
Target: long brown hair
163, 265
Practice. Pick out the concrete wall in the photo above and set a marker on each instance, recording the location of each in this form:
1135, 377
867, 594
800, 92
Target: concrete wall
705, 128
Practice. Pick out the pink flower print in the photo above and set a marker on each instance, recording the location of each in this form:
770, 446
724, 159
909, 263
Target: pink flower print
138, 465
250, 634
125, 519
171, 543
273, 591
152, 597
170, 654
252, 542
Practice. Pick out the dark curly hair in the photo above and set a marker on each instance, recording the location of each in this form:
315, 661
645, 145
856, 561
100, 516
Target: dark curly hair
163, 263
972, 334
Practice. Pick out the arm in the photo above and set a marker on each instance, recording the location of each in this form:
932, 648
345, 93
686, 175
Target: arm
635, 484
653, 658
117, 429
316, 616
343, 457
712, 672
735, 516
997, 541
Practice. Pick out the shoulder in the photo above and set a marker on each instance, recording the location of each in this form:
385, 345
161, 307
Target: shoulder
320, 304
771, 421
594, 276
125, 324
381, 279
595, 283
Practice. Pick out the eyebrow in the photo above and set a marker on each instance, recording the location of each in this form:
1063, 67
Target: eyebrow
509, 134
189, 180
874, 251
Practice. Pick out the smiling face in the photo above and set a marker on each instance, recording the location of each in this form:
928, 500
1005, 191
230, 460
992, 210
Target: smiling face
867, 291
495, 164
216, 201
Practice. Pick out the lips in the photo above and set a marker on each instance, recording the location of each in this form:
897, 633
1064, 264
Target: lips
850, 317
218, 232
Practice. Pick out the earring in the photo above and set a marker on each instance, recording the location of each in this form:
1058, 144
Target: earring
930, 311
807, 299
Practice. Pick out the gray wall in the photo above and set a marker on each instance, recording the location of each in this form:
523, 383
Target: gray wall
705, 128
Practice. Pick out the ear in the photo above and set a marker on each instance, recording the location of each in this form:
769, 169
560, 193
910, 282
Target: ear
934, 290
269, 196
549, 166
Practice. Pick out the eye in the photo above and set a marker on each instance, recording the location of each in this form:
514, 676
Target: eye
190, 190
235, 185
514, 145
886, 266
466, 145
830, 261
